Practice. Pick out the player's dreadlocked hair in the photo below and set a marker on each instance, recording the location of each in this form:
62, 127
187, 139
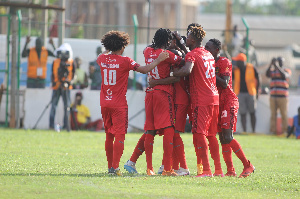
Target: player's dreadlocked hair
198, 33
115, 40
192, 25
216, 43
161, 38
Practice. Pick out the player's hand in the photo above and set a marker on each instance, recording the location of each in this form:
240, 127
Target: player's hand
163, 55
177, 35
151, 82
27, 39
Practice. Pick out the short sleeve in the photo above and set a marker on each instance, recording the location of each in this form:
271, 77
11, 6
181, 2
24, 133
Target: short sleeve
225, 68
189, 57
99, 60
132, 65
174, 59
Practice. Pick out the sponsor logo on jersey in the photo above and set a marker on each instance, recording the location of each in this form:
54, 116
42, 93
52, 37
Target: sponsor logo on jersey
104, 65
133, 63
175, 58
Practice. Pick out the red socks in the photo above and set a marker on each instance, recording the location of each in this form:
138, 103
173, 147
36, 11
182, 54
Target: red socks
149, 141
114, 149
139, 149
214, 151
168, 147
201, 148
118, 149
237, 149
109, 148
227, 155
179, 152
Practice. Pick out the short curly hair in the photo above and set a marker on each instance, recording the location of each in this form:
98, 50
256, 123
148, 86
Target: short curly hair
161, 38
216, 43
115, 40
198, 33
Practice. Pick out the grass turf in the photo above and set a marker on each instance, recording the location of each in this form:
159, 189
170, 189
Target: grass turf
46, 164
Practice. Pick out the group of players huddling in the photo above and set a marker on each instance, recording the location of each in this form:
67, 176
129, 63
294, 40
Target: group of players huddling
195, 82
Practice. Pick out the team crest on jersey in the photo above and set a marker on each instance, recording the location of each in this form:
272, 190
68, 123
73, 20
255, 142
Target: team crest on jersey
175, 58
150, 60
133, 63
109, 94
224, 114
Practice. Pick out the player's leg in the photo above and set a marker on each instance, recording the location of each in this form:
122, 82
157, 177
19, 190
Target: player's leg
213, 142
149, 142
150, 130
227, 151
119, 128
168, 150
179, 154
234, 144
137, 152
201, 120
109, 141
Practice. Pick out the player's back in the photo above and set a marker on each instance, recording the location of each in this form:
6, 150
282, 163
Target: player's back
163, 69
203, 88
114, 71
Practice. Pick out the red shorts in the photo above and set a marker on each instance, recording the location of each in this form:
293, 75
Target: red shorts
202, 118
213, 128
228, 115
181, 111
115, 120
159, 109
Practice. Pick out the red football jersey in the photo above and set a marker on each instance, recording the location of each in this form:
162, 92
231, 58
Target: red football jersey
162, 70
224, 68
114, 71
181, 91
203, 88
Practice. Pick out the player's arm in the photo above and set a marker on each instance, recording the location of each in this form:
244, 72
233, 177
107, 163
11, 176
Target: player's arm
145, 69
223, 81
169, 80
185, 70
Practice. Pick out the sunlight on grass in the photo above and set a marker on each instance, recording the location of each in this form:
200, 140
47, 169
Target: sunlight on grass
46, 164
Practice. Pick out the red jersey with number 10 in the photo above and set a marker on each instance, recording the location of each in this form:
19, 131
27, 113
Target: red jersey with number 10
162, 70
114, 71
203, 89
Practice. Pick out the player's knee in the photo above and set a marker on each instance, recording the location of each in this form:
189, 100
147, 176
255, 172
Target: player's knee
227, 138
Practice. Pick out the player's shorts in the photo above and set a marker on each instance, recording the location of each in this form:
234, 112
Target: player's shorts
247, 103
181, 111
213, 128
159, 109
228, 115
115, 120
202, 117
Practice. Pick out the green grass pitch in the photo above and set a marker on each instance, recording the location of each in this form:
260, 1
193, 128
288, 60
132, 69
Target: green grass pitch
47, 164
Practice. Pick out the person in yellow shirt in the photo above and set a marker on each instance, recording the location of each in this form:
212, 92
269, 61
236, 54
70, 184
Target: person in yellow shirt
83, 116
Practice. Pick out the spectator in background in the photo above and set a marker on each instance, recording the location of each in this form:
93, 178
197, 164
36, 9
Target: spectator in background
37, 62
236, 42
278, 92
83, 116
95, 73
296, 126
80, 80
246, 84
251, 52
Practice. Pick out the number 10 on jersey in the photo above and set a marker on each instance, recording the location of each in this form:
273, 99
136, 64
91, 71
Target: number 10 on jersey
110, 77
